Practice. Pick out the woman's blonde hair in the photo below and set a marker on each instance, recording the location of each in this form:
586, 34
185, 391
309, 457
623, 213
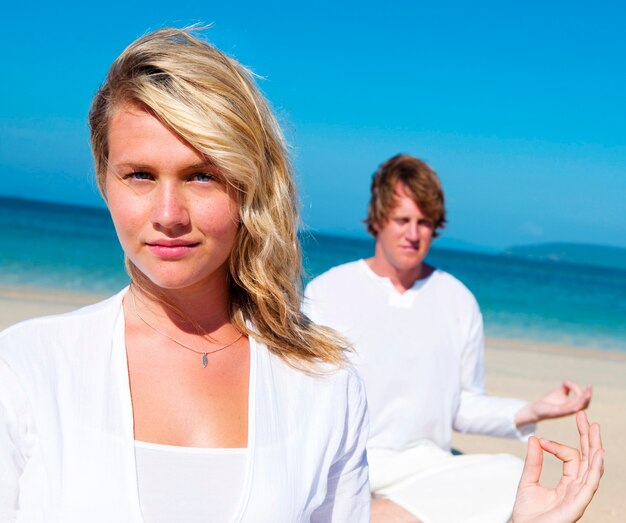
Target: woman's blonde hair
212, 102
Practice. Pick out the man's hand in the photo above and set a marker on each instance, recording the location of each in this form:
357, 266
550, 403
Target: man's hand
581, 476
566, 400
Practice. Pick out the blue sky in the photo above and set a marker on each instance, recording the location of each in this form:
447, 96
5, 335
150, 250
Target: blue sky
520, 107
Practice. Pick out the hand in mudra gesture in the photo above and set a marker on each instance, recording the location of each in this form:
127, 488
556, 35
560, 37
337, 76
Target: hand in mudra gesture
582, 471
567, 399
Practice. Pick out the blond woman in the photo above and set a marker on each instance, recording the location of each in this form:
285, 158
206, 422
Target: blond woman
199, 393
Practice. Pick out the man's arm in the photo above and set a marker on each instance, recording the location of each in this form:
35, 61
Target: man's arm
478, 412
506, 417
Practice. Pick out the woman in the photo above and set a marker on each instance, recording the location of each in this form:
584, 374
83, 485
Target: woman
200, 393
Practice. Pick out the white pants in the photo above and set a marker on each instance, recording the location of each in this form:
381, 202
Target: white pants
438, 487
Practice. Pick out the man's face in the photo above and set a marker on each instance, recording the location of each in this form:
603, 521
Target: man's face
403, 241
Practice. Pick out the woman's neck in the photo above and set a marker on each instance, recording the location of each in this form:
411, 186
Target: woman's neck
196, 310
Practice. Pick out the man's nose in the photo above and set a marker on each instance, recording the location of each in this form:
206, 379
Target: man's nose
413, 231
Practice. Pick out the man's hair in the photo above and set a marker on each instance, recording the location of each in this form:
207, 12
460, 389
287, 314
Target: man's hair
421, 183
212, 103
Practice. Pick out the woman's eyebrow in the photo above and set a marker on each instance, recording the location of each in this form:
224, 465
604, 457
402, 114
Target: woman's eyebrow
132, 165
203, 165
142, 165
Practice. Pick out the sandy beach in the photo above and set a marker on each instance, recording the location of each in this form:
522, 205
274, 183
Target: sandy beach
513, 368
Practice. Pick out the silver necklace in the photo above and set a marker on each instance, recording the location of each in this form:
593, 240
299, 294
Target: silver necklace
205, 359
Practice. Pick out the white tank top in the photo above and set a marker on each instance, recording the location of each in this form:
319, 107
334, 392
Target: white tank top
189, 484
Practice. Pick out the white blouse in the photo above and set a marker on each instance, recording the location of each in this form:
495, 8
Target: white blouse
67, 447
189, 484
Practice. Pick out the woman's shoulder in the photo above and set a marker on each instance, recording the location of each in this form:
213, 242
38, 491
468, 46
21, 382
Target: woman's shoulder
87, 322
329, 400
336, 381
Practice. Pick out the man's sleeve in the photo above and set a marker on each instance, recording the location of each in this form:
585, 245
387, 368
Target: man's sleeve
478, 412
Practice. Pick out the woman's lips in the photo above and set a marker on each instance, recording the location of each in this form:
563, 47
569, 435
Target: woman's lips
171, 250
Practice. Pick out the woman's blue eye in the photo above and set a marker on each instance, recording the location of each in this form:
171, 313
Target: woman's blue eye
140, 175
203, 177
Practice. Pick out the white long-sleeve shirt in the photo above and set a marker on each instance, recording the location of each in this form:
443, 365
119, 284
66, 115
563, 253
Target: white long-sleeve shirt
420, 354
67, 450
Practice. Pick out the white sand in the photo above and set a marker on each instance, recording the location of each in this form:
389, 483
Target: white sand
17, 303
517, 369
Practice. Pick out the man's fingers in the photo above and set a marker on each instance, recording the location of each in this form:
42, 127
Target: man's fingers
580, 398
586, 396
570, 406
568, 455
583, 429
532, 464
595, 438
582, 423
571, 386
590, 485
596, 470
579, 402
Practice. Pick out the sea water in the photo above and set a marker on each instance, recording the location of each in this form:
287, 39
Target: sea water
75, 248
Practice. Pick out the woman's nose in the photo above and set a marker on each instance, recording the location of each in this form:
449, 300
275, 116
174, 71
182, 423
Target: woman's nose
170, 208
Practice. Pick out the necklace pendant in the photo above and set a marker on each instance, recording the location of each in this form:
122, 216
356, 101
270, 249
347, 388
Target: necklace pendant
205, 360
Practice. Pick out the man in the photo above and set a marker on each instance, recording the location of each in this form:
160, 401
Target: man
418, 337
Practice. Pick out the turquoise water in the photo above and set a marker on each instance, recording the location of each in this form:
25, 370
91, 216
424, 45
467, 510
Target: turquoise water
75, 248
59, 246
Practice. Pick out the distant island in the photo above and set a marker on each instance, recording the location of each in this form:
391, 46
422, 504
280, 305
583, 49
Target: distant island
579, 253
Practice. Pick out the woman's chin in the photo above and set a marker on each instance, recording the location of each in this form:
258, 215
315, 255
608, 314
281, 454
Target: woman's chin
178, 283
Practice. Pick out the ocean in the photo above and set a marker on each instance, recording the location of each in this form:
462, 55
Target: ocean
75, 248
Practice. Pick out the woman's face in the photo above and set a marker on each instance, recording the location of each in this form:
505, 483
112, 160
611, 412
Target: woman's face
174, 215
